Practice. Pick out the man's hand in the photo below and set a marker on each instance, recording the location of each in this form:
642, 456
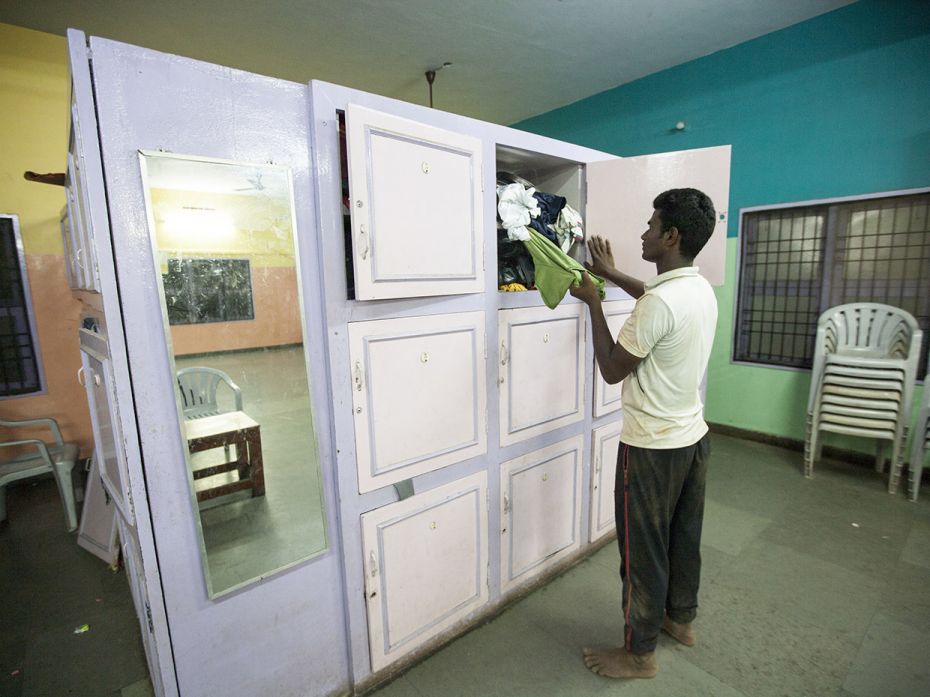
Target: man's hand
602, 259
587, 292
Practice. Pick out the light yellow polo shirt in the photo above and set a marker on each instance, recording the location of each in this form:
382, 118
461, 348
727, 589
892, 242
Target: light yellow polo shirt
672, 330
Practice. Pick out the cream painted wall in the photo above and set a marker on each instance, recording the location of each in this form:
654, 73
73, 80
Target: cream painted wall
34, 91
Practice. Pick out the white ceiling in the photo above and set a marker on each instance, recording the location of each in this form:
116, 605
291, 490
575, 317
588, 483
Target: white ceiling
511, 59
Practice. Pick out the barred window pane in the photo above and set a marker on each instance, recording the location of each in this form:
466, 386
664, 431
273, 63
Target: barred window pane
201, 291
871, 250
19, 356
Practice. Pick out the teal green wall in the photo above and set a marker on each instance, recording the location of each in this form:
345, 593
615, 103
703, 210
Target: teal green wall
836, 106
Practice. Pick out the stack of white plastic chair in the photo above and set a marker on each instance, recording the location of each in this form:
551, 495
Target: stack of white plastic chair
862, 382
920, 442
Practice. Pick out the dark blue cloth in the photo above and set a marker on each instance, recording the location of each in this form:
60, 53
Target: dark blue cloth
550, 206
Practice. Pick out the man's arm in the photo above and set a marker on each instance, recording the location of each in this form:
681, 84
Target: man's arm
614, 361
602, 264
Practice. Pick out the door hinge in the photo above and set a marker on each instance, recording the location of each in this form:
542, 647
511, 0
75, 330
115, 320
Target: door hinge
148, 617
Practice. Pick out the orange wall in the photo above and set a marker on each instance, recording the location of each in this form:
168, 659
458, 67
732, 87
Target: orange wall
276, 323
34, 89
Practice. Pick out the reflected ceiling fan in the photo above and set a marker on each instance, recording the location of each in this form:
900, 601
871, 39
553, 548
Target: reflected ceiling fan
255, 181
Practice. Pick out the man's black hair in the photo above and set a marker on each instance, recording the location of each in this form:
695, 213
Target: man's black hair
692, 212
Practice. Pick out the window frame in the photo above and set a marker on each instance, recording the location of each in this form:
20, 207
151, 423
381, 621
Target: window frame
827, 251
30, 312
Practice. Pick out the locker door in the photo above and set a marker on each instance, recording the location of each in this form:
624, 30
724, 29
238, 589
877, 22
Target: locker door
541, 510
604, 446
416, 200
620, 195
541, 370
419, 394
426, 565
607, 397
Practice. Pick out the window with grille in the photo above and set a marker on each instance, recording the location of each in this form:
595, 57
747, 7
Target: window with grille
20, 368
199, 291
797, 262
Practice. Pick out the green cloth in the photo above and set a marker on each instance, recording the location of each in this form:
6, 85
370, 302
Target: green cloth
555, 270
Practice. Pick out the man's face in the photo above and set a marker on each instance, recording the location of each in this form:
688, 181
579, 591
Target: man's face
652, 239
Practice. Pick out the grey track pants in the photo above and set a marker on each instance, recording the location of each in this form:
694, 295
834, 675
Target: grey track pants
659, 504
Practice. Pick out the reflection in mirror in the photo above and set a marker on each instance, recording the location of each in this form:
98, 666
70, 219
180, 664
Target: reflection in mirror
224, 243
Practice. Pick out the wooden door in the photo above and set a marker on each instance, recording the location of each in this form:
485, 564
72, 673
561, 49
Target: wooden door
416, 203
541, 357
607, 397
620, 195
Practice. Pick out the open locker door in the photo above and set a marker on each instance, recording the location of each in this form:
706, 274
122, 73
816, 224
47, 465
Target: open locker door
417, 218
96, 259
620, 195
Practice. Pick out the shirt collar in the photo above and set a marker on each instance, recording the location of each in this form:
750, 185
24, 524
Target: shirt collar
669, 275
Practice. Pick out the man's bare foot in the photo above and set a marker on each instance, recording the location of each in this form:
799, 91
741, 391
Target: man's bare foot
620, 663
683, 633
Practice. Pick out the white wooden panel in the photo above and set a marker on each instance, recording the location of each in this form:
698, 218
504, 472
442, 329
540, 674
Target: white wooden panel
607, 397
419, 394
541, 370
426, 561
83, 229
604, 447
416, 199
97, 531
540, 510
108, 440
620, 195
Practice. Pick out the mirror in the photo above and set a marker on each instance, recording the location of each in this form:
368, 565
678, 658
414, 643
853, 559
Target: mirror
223, 237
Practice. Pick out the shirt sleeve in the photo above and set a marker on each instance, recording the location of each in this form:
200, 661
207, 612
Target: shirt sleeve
650, 321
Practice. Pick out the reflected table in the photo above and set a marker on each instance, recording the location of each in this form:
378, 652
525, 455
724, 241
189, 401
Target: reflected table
220, 431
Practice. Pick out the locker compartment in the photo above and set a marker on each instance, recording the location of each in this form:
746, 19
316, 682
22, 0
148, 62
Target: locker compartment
415, 202
541, 378
426, 565
418, 394
605, 442
546, 174
540, 510
607, 397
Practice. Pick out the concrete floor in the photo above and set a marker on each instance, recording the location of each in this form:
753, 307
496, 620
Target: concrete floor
811, 587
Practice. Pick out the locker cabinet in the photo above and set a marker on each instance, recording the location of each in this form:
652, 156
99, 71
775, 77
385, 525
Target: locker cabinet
605, 442
540, 510
607, 397
418, 394
541, 370
426, 561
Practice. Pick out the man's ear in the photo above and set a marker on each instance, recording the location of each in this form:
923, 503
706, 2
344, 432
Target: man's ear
671, 237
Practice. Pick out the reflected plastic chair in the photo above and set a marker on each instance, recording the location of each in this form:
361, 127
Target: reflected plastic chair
862, 381
199, 386
36, 457
920, 442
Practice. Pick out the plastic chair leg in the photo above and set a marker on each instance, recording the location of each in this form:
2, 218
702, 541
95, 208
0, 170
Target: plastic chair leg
2, 503
66, 489
810, 449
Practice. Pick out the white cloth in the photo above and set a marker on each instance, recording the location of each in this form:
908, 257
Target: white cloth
672, 328
516, 206
568, 227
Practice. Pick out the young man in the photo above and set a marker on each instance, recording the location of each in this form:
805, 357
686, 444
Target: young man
662, 351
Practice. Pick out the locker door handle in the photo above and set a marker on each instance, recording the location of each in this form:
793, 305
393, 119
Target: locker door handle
80, 376
358, 376
363, 238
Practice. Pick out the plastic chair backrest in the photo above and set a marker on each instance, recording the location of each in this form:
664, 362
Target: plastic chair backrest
866, 330
198, 389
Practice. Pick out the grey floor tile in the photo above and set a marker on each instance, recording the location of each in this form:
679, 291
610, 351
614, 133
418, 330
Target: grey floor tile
803, 586
892, 662
400, 687
907, 598
730, 529
507, 657
140, 688
917, 545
